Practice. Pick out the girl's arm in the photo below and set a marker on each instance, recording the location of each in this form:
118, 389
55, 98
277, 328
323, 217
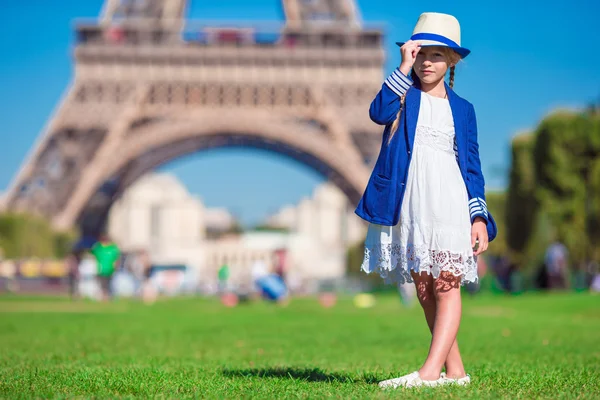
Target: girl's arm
477, 204
384, 108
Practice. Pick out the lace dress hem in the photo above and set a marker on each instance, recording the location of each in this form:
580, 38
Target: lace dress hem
394, 263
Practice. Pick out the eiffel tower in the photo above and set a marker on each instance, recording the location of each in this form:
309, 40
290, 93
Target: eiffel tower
150, 86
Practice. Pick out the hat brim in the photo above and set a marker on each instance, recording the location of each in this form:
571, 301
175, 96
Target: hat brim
462, 52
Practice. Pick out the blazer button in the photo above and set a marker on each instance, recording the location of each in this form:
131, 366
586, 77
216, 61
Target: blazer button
409, 152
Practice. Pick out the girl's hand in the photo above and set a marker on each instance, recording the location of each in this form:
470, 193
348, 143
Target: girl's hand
479, 232
409, 51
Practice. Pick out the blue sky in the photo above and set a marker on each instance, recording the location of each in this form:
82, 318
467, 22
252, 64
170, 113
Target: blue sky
527, 59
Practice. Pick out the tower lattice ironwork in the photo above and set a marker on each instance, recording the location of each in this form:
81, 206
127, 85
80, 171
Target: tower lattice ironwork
150, 86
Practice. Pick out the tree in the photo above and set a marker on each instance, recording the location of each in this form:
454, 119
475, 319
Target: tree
496, 202
566, 153
63, 243
554, 190
270, 228
521, 201
23, 236
593, 179
354, 257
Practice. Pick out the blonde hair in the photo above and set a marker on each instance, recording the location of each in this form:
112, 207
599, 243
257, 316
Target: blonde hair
452, 58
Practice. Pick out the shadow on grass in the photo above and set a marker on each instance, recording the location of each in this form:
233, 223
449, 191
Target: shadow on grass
307, 374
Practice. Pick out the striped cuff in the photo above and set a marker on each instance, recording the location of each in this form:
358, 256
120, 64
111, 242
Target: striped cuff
398, 82
478, 208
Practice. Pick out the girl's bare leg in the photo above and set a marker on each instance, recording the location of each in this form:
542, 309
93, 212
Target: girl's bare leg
440, 300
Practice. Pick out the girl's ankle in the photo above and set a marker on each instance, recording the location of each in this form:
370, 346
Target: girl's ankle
428, 375
456, 374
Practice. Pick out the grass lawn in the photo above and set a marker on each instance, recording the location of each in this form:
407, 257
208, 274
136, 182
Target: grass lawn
530, 346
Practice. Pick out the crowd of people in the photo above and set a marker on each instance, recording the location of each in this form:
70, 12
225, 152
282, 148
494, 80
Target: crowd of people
92, 269
556, 271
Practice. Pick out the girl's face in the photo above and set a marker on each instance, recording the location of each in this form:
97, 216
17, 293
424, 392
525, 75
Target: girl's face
431, 64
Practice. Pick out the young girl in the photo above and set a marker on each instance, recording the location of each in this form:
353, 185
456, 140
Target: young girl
425, 199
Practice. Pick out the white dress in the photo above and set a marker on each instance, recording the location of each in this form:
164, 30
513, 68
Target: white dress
434, 231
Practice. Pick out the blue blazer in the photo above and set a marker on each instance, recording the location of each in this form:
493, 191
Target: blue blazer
382, 198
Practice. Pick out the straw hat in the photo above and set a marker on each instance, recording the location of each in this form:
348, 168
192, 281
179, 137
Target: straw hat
436, 29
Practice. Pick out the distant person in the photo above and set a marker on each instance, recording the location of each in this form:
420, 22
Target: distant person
556, 261
149, 291
144, 259
425, 199
107, 255
222, 277
541, 277
73, 261
8, 271
281, 260
139, 266
258, 271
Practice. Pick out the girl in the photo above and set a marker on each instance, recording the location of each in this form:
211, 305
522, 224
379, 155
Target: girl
425, 199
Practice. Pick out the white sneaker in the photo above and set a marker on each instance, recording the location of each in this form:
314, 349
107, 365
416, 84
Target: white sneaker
411, 380
465, 380
394, 382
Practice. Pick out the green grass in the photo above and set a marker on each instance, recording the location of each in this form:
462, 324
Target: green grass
531, 346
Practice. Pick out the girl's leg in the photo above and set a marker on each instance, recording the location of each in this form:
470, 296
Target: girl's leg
426, 296
425, 293
454, 365
446, 292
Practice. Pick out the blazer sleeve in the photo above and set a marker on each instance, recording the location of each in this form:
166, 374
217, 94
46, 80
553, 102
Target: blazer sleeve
385, 106
477, 204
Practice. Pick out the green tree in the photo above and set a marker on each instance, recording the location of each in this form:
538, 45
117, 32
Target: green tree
270, 228
496, 202
354, 258
521, 202
23, 235
63, 242
566, 151
593, 211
